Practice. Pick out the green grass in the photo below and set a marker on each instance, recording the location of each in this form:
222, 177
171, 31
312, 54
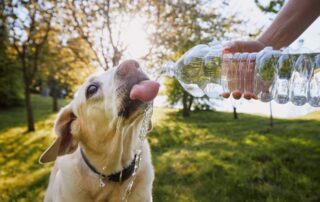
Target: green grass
207, 157
22, 178
313, 115
211, 157
14, 117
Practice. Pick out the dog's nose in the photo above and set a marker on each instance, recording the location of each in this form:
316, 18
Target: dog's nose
128, 67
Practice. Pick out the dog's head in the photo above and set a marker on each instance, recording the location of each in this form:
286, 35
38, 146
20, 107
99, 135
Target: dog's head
120, 94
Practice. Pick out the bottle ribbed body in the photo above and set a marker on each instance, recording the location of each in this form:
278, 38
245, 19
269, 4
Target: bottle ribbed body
278, 75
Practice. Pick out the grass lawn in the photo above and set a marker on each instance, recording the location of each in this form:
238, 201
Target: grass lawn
207, 157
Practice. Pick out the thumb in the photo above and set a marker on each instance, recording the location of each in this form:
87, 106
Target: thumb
243, 46
231, 47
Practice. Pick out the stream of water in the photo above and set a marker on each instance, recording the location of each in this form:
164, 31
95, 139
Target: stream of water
142, 135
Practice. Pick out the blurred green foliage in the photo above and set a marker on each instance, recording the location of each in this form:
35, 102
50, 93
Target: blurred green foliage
272, 6
286, 66
179, 26
267, 70
11, 90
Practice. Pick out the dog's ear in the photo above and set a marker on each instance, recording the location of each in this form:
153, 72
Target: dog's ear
65, 142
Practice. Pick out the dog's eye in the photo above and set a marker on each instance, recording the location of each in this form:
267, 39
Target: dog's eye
91, 90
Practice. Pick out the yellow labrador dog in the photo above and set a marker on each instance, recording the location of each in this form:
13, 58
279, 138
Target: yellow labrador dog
97, 139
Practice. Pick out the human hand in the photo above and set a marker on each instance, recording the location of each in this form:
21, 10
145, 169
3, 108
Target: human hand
244, 46
247, 72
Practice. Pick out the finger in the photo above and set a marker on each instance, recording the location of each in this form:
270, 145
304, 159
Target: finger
225, 95
230, 47
247, 96
249, 46
236, 94
243, 46
253, 96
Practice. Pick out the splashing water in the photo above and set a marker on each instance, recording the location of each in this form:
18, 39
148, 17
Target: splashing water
130, 184
142, 135
145, 122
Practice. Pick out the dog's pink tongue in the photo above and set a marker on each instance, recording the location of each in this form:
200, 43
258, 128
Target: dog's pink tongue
145, 91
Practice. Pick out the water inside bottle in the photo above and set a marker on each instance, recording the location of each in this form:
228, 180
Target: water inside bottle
269, 74
190, 70
265, 74
212, 74
242, 71
225, 69
250, 77
314, 87
233, 74
284, 70
184, 74
300, 78
189, 73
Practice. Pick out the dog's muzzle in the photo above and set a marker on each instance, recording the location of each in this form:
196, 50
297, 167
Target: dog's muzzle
133, 86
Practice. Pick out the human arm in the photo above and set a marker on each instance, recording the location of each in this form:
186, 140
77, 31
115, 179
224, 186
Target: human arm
291, 21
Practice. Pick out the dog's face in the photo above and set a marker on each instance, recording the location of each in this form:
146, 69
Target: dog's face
97, 108
105, 96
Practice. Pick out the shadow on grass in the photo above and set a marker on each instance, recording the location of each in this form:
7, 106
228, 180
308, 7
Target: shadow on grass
211, 157
22, 177
28, 191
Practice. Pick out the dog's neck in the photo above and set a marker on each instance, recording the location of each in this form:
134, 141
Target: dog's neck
120, 176
117, 152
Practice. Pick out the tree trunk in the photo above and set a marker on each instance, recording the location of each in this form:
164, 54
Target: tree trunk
27, 95
186, 109
235, 114
30, 120
54, 93
190, 102
271, 117
55, 107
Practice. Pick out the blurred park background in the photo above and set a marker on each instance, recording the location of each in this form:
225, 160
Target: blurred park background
203, 150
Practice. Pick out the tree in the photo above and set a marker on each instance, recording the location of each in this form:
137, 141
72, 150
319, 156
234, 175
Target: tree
61, 68
271, 116
176, 93
272, 6
235, 114
28, 33
180, 25
100, 23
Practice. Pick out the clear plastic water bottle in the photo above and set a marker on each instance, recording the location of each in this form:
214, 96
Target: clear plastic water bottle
212, 72
302, 72
314, 85
198, 71
269, 74
249, 77
281, 93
